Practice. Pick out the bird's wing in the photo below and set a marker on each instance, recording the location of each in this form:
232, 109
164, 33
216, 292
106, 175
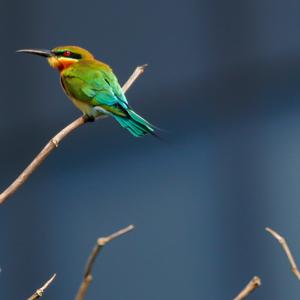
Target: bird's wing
98, 87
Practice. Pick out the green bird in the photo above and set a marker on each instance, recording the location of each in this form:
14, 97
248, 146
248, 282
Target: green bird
93, 87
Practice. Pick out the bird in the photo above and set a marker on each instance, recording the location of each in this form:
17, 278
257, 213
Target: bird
93, 87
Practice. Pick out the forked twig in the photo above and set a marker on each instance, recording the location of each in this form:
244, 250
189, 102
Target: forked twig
253, 284
39, 293
287, 251
101, 242
54, 143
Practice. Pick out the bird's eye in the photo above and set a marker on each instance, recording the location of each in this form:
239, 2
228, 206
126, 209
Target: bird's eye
67, 53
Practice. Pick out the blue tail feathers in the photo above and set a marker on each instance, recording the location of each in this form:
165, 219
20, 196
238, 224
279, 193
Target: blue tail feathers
135, 124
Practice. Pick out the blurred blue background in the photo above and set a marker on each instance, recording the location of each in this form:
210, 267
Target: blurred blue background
223, 79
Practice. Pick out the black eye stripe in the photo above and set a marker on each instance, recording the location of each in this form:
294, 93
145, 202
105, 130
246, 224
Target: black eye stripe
72, 55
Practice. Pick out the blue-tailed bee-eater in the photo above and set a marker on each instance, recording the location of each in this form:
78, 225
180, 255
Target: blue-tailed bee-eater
93, 87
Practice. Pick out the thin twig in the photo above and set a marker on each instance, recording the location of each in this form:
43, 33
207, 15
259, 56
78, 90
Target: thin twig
101, 242
39, 293
254, 283
54, 143
287, 251
135, 75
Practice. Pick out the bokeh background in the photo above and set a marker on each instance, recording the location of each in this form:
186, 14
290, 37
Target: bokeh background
223, 80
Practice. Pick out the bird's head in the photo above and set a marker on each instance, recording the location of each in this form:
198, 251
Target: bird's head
62, 57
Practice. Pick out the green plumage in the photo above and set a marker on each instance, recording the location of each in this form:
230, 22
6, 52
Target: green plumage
95, 90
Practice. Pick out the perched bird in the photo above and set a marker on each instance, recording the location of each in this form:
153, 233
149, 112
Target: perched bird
93, 87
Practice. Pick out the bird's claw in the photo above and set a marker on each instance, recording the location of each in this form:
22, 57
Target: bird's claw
88, 118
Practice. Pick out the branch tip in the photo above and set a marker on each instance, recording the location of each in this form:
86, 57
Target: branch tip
253, 284
39, 292
283, 243
143, 67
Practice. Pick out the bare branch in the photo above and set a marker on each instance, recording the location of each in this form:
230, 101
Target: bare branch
254, 283
101, 242
54, 143
287, 251
135, 75
39, 293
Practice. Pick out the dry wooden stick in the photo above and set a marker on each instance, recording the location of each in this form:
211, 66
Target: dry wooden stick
287, 251
39, 293
254, 283
54, 143
101, 242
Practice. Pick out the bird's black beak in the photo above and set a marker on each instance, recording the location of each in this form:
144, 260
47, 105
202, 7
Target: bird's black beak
40, 52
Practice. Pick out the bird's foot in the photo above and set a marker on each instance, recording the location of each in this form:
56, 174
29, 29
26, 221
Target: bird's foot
89, 118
